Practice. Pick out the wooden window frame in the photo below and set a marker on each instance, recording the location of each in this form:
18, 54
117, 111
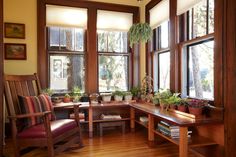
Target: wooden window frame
91, 83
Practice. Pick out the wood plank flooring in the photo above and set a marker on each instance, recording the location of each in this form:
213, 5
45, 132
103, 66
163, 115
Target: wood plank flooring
112, 144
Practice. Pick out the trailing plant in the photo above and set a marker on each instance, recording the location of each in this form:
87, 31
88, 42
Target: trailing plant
139, 32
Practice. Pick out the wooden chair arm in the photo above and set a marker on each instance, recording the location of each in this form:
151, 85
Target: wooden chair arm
38, 114
67, 105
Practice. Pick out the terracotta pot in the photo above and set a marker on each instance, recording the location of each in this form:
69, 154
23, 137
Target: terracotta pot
197, 111
182, 108
174, 107
66, 100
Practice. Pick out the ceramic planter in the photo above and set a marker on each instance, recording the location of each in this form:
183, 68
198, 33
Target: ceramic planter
118, 98
197, 111
182, 108
106, 98
128, 97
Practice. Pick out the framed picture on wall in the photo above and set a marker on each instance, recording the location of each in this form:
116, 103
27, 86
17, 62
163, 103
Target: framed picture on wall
15, 51
14, 30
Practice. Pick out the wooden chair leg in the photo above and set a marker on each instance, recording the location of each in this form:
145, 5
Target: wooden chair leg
16, 148
50, 150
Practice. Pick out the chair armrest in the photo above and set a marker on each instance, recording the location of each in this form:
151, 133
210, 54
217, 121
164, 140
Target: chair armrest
38, 114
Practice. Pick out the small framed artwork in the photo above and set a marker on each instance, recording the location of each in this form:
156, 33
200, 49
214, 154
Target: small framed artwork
15, 51
14, 30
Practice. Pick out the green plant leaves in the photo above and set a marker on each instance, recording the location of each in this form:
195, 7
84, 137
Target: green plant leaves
139, 32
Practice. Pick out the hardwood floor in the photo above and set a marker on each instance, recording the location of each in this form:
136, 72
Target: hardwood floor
112, 144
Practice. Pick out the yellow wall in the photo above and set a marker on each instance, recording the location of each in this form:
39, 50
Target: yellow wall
22, 11
25, 11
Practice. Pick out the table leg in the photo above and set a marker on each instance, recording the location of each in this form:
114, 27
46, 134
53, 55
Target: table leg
132, 119
90, 122
183, 142
150, 127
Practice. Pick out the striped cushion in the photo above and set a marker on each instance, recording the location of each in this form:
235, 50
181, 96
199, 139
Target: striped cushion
33, 104
46, 105
29, 105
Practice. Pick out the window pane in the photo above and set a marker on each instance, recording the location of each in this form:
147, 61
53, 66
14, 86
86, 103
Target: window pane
66, 71
165, 35
199, 19
54, 37
164, 70
211, 16
67, 39
102, 41
155, 72
113, 73
201, 70
112, 41
79, 40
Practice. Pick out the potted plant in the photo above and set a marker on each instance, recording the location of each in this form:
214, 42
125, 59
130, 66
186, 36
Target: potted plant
146, 88
106, 97
174, 101
118, 95
76, 94
196, 106
135, 92
66, 98
128, 96
183, 105
163, 97
139, 32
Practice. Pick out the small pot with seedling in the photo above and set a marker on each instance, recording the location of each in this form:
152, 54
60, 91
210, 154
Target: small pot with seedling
183, 106
128, 96
76, 94
106, 97
135, 91
196, 106
67, 98
118, 95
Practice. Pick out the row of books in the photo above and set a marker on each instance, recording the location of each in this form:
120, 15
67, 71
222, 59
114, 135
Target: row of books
144, 120
81, 116
110, 117
169, 130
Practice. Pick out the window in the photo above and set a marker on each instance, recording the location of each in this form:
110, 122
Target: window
161, 57
113, 51
201, 70
198, 55
201, 19
66, 47
113, 61
66, 58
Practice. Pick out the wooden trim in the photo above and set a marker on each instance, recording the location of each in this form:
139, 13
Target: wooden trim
42, 58
1, 78
229, 63
149, 70
197, 40
91, 64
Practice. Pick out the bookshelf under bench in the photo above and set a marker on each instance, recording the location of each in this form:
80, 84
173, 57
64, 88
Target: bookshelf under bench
182, 122
95, 110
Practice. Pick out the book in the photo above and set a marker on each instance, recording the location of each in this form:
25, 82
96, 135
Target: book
110, 117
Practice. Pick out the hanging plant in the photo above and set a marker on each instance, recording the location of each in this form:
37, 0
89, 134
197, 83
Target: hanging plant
139, 32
